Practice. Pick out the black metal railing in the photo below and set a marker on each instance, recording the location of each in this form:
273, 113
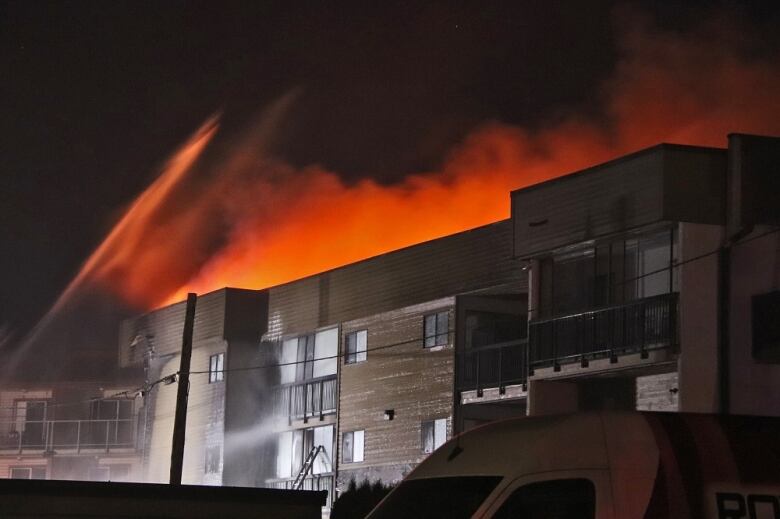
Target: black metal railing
313, 482
496, 365
48, 435
636, 327
307, 398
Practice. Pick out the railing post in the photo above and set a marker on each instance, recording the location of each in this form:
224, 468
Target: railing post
78, 436
643, 323
322, 398
501, 389
107, 434
556, 366
479, 386
305, 402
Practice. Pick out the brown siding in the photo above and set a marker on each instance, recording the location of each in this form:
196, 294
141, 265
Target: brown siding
396, 378
464, 262
666, 182
245, 311
695, 185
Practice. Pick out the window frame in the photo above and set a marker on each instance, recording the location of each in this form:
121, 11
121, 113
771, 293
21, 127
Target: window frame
30, 471
765, 342
436, 338
617, 271
352, 434
433, 427
358, 355
544, 484
217, 367
600, 479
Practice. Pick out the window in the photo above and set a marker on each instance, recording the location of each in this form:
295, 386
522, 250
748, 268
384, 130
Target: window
559, 499
309, 356
294, 447
28, 473
112, 422
437, 329
608, 273
352, 446
765, 310
434, 434
30, 421
356, 347
217, 368
213, 459
454, 497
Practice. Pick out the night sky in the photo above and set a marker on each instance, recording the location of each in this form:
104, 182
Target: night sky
95, 95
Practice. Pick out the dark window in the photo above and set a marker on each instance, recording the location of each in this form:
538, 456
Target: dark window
437, 329
28, 473
559, 499
217, 368
766, 327
213, 459
609, 273
356, 345
487, 328
453, 497
112, 423
30, 421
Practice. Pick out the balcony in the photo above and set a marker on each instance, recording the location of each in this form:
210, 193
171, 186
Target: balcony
639, 327
307, 398
314, 482
496, 365
68, 435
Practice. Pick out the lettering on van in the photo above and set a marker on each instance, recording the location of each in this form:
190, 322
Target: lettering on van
734, 505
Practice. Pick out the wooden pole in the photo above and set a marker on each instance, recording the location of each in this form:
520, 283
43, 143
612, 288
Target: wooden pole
180, 421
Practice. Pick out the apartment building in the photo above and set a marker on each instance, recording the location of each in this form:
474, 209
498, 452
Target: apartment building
649, 282
74, 431
359, 345
324, 373
654, 281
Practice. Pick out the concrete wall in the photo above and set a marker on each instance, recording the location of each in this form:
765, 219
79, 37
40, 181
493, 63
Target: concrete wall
755, 386
698, 360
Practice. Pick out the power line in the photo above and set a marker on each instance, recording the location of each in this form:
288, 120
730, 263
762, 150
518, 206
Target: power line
423, 351
129, 394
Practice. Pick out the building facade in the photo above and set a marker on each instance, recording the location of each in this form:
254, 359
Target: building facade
330, 369
647, 274
649, 282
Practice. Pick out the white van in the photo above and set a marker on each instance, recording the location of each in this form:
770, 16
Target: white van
600, 466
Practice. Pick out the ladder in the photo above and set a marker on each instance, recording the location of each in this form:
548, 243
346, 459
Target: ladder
307, 465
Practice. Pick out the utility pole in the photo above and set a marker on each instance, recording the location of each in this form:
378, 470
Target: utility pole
180, 421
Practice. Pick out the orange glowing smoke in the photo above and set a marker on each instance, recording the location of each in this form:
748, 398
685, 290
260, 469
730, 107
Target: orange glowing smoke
275, 223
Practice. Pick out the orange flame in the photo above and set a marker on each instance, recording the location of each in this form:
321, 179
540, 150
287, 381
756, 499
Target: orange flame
277, 224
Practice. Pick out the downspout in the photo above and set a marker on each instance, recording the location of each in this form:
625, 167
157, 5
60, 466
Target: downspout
724, 294
724, 313
736, 229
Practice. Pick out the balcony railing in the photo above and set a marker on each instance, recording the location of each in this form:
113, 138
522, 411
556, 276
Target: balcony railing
496, 365
636, 327
307, 398
315, 482
53, 435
